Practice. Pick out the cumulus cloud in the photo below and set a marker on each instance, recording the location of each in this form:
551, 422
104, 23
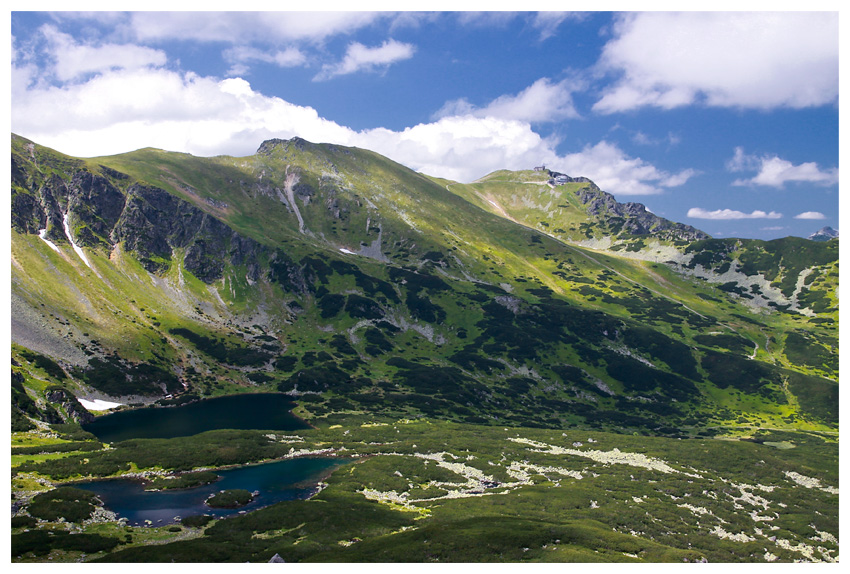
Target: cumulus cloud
810, 215
774, 171
461, 148
72, 59
542, 101
123, 110
359, 57
700, 213
612, 170
759, 60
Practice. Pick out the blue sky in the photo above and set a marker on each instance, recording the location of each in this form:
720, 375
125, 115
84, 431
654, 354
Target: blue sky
727, 121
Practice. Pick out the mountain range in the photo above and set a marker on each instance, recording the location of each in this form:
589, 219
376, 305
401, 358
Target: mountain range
335, 272
371, 293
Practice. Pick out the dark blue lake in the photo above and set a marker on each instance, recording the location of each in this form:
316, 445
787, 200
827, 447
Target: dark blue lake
263, 411
293, 479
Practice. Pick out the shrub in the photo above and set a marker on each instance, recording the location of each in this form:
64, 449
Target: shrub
72, 504
197, 521
48, 365
232, 498
41, 542
23, 522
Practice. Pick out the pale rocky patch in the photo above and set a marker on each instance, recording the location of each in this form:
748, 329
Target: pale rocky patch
614, 456
809, 482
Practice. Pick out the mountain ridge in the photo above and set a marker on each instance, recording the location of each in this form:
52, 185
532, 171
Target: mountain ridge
241, 251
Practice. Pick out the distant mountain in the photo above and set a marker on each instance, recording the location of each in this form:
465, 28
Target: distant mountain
366, 290
824, 234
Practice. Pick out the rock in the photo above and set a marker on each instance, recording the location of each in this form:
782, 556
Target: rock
633, 218
71, 405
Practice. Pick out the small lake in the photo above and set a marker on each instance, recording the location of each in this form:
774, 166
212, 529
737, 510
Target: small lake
262, 411
293, 479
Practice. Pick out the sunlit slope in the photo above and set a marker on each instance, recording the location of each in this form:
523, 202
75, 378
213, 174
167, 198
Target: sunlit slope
574, 210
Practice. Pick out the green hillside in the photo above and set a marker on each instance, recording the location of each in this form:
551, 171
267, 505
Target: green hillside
373, 294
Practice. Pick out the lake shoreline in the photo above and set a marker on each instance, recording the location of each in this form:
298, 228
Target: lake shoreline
117, 492
262, 411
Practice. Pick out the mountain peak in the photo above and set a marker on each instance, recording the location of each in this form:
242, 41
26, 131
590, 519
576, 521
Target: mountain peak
824, 234
270, 145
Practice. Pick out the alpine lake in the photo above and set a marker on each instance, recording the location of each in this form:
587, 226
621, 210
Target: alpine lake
272, 482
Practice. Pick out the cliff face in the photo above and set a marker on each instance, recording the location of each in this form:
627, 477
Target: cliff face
74, 411
149, 222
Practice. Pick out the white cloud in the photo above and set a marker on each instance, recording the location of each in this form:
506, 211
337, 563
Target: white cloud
774, 171
742, 161
124, 110
359, 57
613, 171
489, 19
641, 138
759, 60
810, 215
241, 56
548, 22
542, 101
248, 27
73, 59
461, 148
700, 213
680, 178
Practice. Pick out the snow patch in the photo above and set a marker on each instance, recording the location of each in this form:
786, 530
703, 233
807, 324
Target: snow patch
43, 235
98, 405
74, 245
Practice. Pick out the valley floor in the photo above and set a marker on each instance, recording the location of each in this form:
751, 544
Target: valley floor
436, 491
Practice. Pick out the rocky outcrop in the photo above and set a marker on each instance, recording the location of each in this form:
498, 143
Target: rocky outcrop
155, 223
95, 205
69, 404
149, 222
569, 179
632, 218
280, 145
